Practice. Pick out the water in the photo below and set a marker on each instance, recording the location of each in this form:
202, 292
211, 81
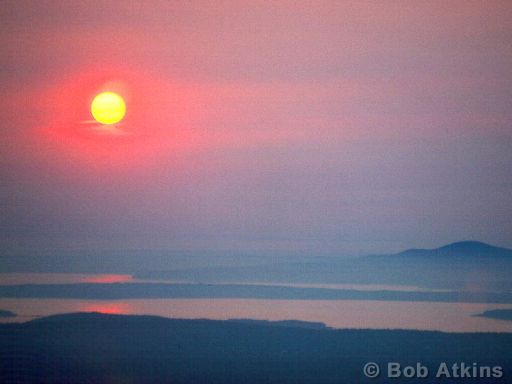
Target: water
450, 317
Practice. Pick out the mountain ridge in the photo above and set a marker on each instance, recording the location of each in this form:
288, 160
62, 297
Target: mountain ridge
465, 265
467, 247
102, 348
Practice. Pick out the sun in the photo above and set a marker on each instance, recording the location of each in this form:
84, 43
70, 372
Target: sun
108, 108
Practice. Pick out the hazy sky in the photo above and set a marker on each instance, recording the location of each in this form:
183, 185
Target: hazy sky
339, 127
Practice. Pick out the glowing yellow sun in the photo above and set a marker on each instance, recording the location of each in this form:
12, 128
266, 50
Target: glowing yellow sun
108, 108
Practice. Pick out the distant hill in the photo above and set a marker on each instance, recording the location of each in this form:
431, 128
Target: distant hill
467, 265
99, 348
474, 247
461, 266
462, 249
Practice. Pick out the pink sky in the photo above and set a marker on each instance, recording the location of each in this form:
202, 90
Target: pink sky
338, 127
